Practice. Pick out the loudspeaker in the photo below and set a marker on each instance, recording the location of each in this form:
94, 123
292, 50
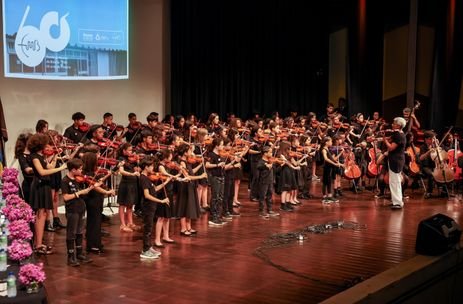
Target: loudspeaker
437, 234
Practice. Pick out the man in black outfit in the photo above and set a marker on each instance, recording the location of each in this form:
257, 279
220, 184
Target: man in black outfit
396, 158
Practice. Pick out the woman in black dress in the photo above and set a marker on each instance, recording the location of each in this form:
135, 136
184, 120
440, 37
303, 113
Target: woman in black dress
40, 195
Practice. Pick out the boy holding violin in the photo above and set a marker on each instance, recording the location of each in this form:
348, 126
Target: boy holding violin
265, 167
79, 128
75, 211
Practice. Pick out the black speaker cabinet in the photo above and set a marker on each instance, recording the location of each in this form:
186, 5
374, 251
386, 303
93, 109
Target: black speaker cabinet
437, 234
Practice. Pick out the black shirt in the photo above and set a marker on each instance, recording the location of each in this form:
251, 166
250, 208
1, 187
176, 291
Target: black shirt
74, 134
145, 183
70, 186
397, 156
265, 174
215, 159
25, 162
42, 179
427, 162
128, 167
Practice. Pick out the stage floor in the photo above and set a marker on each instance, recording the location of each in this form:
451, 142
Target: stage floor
220, 264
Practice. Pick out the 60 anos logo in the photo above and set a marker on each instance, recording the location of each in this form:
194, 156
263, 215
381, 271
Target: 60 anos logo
31, 43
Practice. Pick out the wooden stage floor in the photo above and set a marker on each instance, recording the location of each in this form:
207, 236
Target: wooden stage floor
219, 265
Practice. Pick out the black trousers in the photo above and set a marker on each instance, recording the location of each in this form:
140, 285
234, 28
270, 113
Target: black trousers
75, 224
93, 233
265, 194
229, 192
217, 190
148, 211
254, 180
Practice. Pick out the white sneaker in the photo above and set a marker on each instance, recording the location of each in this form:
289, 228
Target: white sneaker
157, 252
148, 254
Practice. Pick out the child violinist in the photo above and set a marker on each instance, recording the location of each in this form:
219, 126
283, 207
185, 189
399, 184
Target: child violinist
40, 194
265, 167
187, 207
94, 203
127, 194
330, 162
287, 176
150, 204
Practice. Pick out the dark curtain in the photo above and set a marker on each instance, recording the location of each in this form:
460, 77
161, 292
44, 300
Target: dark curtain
365, 59
243, 56
448, 64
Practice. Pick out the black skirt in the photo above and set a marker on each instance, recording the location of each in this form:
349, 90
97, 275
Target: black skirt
187, 204
288, 179
40, 195
127, 195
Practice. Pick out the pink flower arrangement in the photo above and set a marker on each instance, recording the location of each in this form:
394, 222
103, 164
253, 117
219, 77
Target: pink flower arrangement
13, 199
19, 211
20, 230
10, 175
9, 188
19, 250
31, 273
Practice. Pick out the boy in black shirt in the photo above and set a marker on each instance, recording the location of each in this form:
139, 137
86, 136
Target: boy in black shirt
265, 168
75, 211
149, 205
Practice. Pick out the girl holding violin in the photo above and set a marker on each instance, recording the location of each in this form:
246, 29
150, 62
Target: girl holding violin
134, 127
40, 195
187, 206
254, 154
232, 162
94, 202
287, 176
213, 123
127, 194
202, 184
165, 211
150, 204
330, 163
22, 154
76, 133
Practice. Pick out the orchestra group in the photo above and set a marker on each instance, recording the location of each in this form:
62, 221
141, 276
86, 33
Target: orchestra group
168, 169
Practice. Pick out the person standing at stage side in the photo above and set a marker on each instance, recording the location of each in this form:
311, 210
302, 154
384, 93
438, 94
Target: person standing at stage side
396, 158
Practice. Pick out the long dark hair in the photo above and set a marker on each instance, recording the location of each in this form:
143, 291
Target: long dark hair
37, 142
90, 163
21, 144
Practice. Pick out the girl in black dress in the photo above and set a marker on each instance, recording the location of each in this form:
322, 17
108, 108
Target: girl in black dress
94, 204
187, 207
40, 195
330, 162
164, 211
287, 176
202, 184
127, 194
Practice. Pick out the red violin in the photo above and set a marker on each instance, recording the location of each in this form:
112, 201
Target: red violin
84, 127
107, 161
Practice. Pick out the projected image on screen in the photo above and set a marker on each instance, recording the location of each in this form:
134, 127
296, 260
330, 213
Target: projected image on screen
71, 39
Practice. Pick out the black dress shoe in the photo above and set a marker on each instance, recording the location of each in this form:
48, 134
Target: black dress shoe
185, 233
159, 246
169, 241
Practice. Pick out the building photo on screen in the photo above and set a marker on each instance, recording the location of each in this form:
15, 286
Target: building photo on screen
73, 39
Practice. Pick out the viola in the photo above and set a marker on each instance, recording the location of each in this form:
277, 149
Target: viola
84, 127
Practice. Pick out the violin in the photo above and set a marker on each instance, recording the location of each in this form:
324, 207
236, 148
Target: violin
135, 125
134, 158
192, 159
157, 146
84, 127
173, 166
295, 154
276, 160
51, 151
118, 128
318, 124
340, 125
105, 143
85, 179
107, 161
154, 177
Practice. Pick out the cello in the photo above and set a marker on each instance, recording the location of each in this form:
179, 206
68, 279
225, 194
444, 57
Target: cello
453, 155
442, 173
352, 170
412, 151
